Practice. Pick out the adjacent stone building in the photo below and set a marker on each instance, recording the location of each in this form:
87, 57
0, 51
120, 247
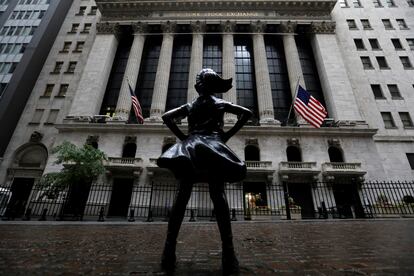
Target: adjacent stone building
355, 57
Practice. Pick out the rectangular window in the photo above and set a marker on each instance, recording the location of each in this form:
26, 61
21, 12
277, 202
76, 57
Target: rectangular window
410, 42
410, 3
343, 3
32, 30
374, 44
357, 3
365, 24
86, 28
394, 91
27, 15
406, 62
18, 31
366, 63
23, 48
66, 47
51, 119
71, 67
37, 116
397, 44
377, 91
390, 3
401, 23
388, 120
387, 24
11, 31
13, 67
48, 90
79, 46
93, 10
382, 63
13, 15
359, 44
58, 67
41, 14
4, 31
406, 119
410, 157
351, 24
377, 3
63, 89
74, 28
82, 10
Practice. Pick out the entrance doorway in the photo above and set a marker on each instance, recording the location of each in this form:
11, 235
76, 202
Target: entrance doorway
20, 190
76, 201
255, 198
348, 202
301, 193
121, 197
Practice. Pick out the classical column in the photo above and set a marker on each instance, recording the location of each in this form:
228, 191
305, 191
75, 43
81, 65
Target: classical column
264, 90
196, 63
229, 68
92, 85
159, 97
292, 57
123, 106
292, 62
339, 94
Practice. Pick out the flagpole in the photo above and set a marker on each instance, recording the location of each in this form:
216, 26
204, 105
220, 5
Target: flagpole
293, 101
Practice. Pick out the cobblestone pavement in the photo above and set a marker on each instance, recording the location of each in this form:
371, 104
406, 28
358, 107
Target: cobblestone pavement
370, 247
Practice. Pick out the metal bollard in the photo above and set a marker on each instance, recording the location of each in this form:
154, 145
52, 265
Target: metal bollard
324, 210
131, 215
149, 219
213, 215
43, 216
167, 217
101, 214
28, 214
192, 216
233, 215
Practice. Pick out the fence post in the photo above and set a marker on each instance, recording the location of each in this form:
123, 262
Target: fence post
101, 214
286, 196
192, 217
213, 215
43, 217
131, 215
149, 218
324, 210
233, 215
28, 214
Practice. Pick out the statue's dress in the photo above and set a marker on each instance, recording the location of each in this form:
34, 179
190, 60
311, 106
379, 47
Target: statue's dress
203, 155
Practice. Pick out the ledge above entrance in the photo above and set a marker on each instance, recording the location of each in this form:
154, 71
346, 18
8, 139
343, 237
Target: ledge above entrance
289, 171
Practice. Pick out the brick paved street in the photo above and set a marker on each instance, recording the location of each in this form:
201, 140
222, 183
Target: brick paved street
371, 247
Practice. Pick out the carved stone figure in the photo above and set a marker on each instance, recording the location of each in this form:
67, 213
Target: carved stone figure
203, 156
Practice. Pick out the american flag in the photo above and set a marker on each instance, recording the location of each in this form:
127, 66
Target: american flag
309, 108
136, 106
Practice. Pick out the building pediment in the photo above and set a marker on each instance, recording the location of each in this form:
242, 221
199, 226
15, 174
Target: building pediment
213, 9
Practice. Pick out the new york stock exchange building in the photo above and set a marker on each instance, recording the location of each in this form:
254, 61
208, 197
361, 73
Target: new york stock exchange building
294, 170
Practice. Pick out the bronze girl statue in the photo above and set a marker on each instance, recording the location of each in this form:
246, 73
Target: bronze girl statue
203, 156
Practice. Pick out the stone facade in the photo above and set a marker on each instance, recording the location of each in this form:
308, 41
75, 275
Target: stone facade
372, 151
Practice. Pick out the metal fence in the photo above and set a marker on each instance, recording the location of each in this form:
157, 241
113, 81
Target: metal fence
317, 200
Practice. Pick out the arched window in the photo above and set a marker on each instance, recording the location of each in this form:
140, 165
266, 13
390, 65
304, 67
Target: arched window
252, 153
94, 144
293, 154
165, 147
335, 154
129, 150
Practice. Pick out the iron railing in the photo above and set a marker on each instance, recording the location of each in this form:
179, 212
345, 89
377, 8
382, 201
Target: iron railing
317, 200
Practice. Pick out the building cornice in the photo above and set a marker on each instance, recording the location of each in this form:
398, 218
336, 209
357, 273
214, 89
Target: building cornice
208, 9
